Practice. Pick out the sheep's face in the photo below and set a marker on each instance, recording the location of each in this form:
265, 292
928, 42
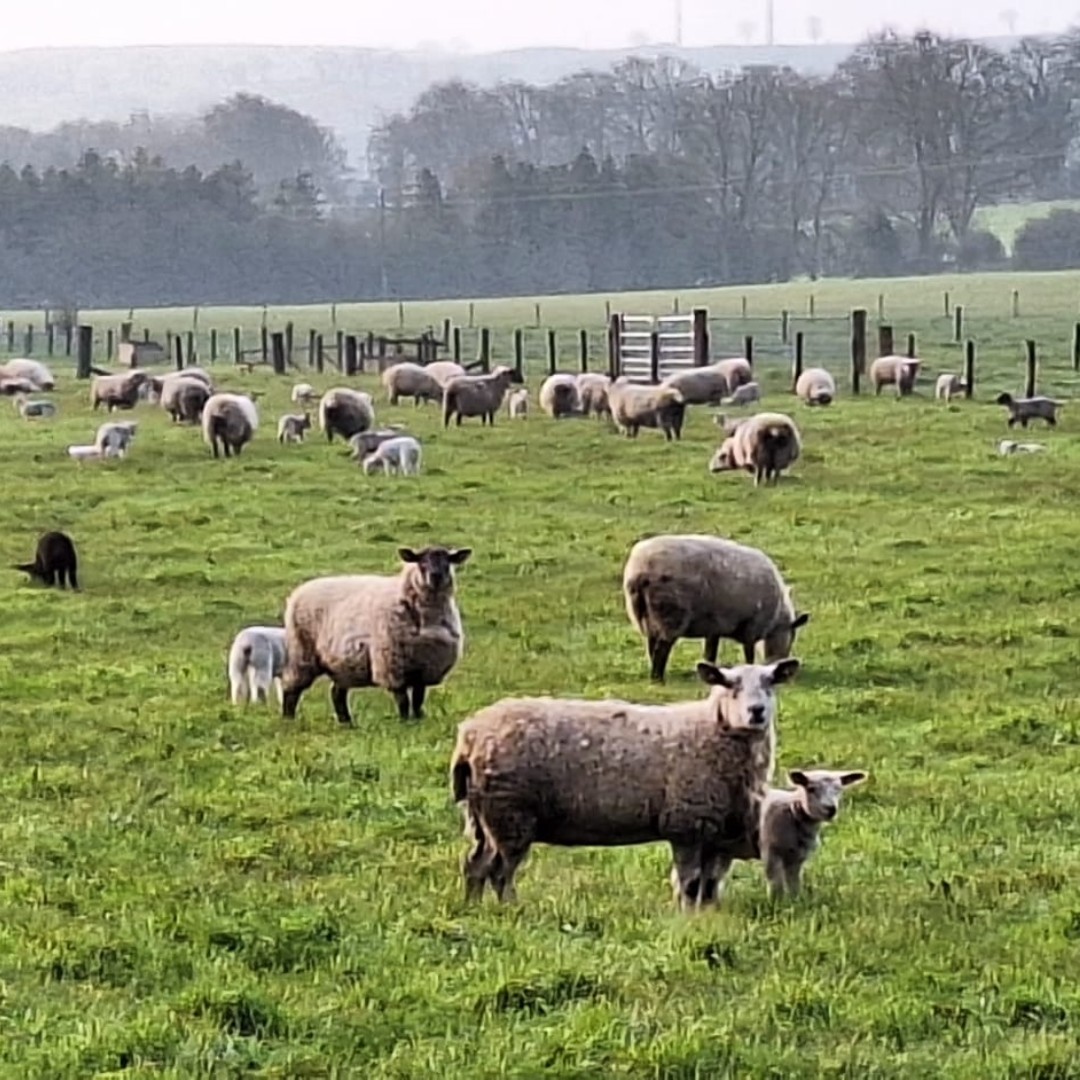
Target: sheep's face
435, 565
778, 643
820, 790
1003, 399
745, 696
724, 458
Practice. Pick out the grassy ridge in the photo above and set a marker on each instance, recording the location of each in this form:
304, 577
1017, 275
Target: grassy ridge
190, 889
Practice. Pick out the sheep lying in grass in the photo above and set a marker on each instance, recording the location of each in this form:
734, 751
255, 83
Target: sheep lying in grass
517, 404
22, 369
815, 386
113, 438
345, 412
411, 380
697, 586
1024, 410
634, 407
364, 442
898, 371
610, 773
87, 453
948, 386
1007, 447
706, 385
229, 420
256, 659
593, 390
304, 394
117, 391
33, 408
559, 396
291, 427
476, 395
744, 395
765, 444
53, 560
398, 455
402, 633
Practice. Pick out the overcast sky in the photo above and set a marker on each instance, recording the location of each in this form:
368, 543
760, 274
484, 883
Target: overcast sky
481, 25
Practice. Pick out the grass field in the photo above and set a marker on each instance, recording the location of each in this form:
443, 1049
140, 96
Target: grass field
189, 889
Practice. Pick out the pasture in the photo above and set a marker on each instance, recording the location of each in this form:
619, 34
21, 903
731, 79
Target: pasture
191, 889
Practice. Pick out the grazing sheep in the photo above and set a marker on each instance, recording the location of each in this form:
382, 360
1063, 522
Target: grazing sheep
898, 371
117, 391
815, 386
610, 773
634, 407
517, 404
744, 395
736, 370
946, 386
304, 394
791, 821
442, 371
33, 408
256, 659
87, 453
411, 380
31, 371
402, 633
696, 586
291, 427
345, 412
1023, 410
1007, 447
559, 396
765, 444
184, 398
231, 420
15, 387
364, 442
398, 455
114, 438
476, 395
54, 558
706, 385
593, 390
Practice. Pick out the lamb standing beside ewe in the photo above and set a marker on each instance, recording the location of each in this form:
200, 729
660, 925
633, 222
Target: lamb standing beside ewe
559, 396
946, 386
364, 442
117, 391
898, 371
402, 633
593, 390
517, 404
345, 412
1023, 410
398, 455
815, 386
765, 444
476, 395
411, 380
231, 420
611, 773
634, 407
291, 427
54, 558
697, 586
256, 659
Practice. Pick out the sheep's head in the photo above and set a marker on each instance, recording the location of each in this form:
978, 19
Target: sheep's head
779, 640
819, 790
435, 565
724, 458
1004, 398
744, 697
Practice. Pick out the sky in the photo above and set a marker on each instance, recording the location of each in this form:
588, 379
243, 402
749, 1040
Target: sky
484, 25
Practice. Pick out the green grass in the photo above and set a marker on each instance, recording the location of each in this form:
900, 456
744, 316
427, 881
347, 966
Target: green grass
189, 889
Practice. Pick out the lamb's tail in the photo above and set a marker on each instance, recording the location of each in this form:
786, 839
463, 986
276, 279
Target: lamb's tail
239, 663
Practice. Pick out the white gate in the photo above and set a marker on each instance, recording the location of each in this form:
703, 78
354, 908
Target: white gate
675, 340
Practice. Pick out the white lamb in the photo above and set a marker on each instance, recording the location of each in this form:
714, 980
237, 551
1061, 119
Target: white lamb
398, 455
304, 394
256, 659
1007, 447
517, 404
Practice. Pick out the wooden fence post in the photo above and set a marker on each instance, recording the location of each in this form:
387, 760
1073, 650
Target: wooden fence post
1032, 369
319, 353
881, 313
615, 345
311, 336
810, 306
948, 309
11, 336
484, 355
68, 335
192, 355
288, 342
85, 358
785, 318
472, 314
701, 336
958, 327
237, 345
911, 346
457, 344
277, 345
213, 345
519, 352
537, 313
583, 349
178, 349
748, 349
552, 351
1076, 347
264, 340
1016, 303
401, 314
858, 347
969, 369
50, 338
885, 340
743, 306
350, 354
654, 357
339, 343
28, 341
797, 362
109, 345
446, 325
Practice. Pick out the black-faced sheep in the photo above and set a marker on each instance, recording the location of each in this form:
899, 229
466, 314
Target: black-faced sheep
476, 395
634, 407
345, 412
411, 380
230, 420
559, 396
54, 559
1024, 410
765, 444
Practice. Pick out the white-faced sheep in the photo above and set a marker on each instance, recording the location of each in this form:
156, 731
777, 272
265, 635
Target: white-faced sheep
698, 586
411, 380
706, 385
113, 438
815, 386
364, 442
398, 455
517, 404
345, 412
256, 659
184, 398
593, 390
476, 395
947, 386
559, 395
765, 444
291, 427
402, 633
31, 371
610, 773
304, 394
442, 371
1024, 410
230, 420
634, 407
117, 391
898, 371
746, 394
33, 408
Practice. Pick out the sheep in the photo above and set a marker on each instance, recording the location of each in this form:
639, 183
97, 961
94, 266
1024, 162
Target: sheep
946, 386
291, 427
231, 420
572, 773
517, 404
402, 633
634, 407
745, 394
792, 819
33, 408
815, 386
155, 387
14, 387
898, 371
698, 586
706, 385
398, 455
736, 370
765, 444
476, 395
345, 412
54, 558
117, 391
1007, 447
256, 659
411, 380
303, 394
184, 398
113, 439
442, 371
31, 371
559, 396
593, 391
1023, 410
364, 442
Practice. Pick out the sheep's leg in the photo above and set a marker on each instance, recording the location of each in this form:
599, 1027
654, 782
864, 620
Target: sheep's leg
401, 696
503, 868
294, 684
72, 580
418, 692
477, 864
277, 687
748, 649
776, 874
49, 577
714, 872
661, 650
712, 648
687, 859
1052, 421
339, 697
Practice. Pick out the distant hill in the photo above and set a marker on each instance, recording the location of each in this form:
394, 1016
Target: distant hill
347, 89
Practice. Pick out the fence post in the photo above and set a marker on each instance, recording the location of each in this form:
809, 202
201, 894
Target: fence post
339, 341
858, 347
607, 312
654, 357
277, 343
797, 362
675, 306
1016, 303
948, 310
784, 321
109, 345
472, 314
401, 314
485, 350
519, 352
911, 346
457, 344
350, 354
958, 328
264, 339
319, 353
178, 347
583, 349
192, 356
446, 324
213, 345
969, 369
68, 335
28, 341
1076, 347
538, 322
311, 348
552, 351
1032, 369
810, 306
881, 313
615, 346
743, 306
50, 338
288, 342
11, 336
701, 336
237, 345
146, 335
885, 341
370, 344
85, 358
748, 349
333, 315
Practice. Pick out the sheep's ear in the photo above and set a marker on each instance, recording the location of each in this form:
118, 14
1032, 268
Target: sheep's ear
799, 778
783, 670
407, 555
713, 675
849, 778
460, 555
800, 620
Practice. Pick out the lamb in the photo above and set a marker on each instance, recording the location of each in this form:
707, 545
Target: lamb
402, 633
698, 586
898, 371
1023, 410
31, 371
117, 391
345, 412
304, 394
476, 395
611, 773
33, 408
442, 371
815, 386
737, 371
364, 442
291, 427
593, 392
411, 380
792, 819
54, 559
184, 398
765, 444
256, 659
745, 394
517, 404
559, 396
113, 439
398, 455
634, 407
706, 385
231, 420
946, 386
1006, 447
